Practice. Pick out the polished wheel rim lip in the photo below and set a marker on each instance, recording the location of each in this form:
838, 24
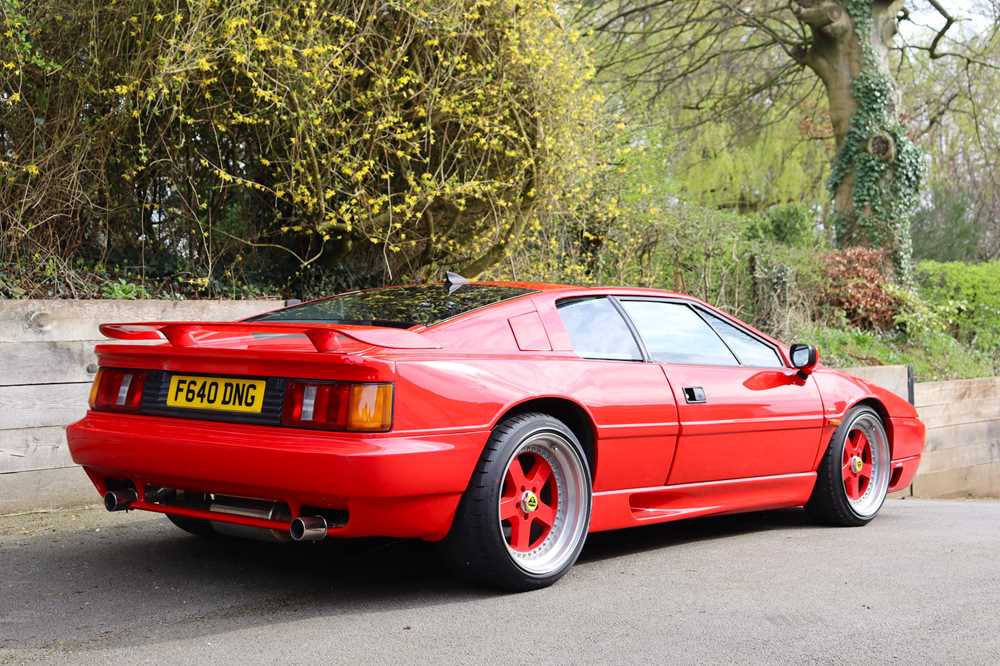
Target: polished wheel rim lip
865, 465
557, 543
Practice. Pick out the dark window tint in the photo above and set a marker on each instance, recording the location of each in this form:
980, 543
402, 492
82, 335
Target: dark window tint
674, 333
748, 349
598, 330
397, 306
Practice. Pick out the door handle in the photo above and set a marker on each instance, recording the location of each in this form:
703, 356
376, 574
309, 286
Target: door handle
694, 395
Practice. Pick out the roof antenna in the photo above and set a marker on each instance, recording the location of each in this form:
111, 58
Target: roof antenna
454, 281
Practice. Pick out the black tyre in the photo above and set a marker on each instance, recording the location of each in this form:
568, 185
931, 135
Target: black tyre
853, 477
195, 526
524, 517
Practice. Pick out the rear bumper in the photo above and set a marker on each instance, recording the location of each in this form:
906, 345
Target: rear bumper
390, 485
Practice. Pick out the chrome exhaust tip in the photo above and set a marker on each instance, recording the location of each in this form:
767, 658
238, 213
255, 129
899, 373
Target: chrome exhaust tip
119, 500
308, 528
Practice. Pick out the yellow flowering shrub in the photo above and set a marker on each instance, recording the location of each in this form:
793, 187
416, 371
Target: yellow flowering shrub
372, 140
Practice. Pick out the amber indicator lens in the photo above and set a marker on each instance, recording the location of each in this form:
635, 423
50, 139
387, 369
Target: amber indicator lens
370, 408
92, 401
355, 407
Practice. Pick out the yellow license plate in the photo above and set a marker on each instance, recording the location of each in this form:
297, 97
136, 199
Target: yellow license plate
228, 395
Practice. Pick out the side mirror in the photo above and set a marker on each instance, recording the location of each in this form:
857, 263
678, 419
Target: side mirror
804, 357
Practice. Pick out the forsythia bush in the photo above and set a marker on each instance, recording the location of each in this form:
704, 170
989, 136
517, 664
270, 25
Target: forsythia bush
369, 139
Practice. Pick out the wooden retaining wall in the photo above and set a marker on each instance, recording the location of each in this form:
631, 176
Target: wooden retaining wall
962, 455
46, 365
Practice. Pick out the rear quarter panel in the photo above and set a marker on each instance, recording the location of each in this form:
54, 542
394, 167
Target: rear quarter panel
629, 405
482, 372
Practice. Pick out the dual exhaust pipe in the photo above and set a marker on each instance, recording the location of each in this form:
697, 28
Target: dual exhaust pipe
303, 528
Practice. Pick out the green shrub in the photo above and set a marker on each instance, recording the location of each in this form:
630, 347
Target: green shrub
791, 224
122, 289
970, 295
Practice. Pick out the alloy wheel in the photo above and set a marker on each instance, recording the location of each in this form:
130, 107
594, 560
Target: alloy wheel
865, 465
542, 508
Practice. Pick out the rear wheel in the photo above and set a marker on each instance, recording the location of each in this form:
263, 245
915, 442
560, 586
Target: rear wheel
853, 478
524, 518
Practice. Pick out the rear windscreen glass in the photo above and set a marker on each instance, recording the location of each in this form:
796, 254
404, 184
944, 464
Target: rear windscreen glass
400, 307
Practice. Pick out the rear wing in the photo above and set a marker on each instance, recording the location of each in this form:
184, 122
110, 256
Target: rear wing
323, 336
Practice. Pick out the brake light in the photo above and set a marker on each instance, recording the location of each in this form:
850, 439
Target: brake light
338, 406
119, 390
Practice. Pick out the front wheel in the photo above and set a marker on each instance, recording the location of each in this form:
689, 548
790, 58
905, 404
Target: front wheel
853, 478
524, 517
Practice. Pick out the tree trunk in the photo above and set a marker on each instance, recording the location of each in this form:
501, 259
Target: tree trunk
877, 172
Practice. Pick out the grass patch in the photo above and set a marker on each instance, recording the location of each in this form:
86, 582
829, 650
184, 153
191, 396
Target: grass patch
934, 357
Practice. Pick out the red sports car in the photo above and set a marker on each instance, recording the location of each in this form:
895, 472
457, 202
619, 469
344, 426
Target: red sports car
505, 420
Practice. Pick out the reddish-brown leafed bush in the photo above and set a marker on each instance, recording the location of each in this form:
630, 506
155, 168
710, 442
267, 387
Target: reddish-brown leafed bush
856, 283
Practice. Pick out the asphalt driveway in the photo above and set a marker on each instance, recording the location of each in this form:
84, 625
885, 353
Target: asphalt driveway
921, 583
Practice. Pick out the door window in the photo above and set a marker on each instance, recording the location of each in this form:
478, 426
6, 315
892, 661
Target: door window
598, 330
748, 349
674, 333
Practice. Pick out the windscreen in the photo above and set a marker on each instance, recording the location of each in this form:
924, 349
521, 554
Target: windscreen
400, 307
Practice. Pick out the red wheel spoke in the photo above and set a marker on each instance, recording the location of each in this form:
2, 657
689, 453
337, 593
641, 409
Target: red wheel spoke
516, 475
847, 470
853, 442
851, 485
540, 474
508, 508
545, 514
866, 471
520, 533
862, 443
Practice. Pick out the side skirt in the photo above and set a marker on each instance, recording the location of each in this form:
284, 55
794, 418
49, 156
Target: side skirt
615, 509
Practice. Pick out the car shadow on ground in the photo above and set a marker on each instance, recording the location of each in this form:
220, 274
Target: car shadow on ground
605, 545
147, 582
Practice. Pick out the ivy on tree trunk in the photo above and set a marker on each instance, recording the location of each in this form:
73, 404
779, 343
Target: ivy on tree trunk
877, 173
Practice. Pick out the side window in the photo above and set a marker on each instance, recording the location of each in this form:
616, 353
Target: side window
674, 333
597, 330
748, 349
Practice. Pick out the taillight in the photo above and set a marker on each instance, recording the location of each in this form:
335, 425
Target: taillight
117, 390
338, 406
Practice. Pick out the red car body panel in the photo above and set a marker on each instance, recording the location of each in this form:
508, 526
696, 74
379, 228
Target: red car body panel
755, 445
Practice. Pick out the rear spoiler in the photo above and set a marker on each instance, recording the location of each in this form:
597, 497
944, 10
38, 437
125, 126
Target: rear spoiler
322, 336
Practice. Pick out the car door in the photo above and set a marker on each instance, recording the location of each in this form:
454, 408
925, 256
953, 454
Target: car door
630, 400
742, 411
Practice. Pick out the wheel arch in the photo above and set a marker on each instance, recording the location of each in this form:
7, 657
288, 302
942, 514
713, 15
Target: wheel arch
872, 402
883, 414
571, 413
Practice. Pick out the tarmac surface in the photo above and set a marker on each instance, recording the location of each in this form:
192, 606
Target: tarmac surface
920, 584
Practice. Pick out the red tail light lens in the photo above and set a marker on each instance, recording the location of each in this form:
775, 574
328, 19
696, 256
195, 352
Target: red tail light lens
117, 390
363, 407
